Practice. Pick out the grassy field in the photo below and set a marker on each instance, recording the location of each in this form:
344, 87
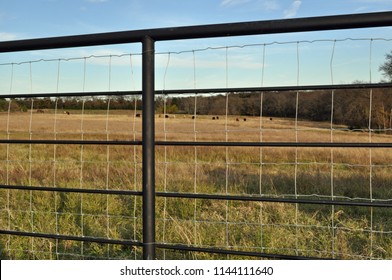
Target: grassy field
316, 231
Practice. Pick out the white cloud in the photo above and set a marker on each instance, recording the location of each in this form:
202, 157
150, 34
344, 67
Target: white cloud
270, 5
4, 36
97, 1
374, 1
229, 3
361, 9
293, 9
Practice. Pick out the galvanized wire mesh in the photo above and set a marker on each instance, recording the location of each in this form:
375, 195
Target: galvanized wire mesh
292, 172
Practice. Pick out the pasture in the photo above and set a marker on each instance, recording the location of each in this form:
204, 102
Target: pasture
343, 232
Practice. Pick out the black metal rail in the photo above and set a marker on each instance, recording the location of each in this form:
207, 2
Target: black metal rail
205, 31
165, 246
379, 145
255, 90
148, 38
228, 197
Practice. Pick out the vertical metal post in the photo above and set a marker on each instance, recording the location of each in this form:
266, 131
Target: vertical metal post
148, 147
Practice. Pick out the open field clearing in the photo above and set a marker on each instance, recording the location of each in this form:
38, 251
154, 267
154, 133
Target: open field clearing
348, 174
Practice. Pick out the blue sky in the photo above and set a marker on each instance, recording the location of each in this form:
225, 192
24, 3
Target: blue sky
351, 59
43, 18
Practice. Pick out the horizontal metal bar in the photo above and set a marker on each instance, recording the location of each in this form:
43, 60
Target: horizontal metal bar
275, 26
367, 20
71, 142
204, 90
70, 94
72, 190
72, 237
232, 252
276, 199
207, 196
210, 250
276, 144
203, 143
275, 88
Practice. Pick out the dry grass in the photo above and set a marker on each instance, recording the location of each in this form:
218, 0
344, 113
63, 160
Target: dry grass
319, 231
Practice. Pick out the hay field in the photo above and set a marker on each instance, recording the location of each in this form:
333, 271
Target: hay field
321, 173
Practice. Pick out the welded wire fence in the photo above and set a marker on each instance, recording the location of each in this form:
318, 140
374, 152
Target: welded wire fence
223, 161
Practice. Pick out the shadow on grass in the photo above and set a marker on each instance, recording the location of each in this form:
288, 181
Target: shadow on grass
3, 254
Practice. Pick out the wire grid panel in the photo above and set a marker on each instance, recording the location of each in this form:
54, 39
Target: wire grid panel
348, 174
305, 116
71, 166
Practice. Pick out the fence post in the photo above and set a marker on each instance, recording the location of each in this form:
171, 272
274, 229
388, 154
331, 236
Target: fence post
148, 147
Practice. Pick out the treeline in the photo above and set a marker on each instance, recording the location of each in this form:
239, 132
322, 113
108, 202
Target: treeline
353, 108
71, 103
348, 107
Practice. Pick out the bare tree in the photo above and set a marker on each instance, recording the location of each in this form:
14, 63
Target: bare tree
386, 67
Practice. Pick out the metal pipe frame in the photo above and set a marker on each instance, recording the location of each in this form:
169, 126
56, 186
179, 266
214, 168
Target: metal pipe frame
177, 247
249, 198
148, 148
379, 19
255, 90
147, 38
380, 145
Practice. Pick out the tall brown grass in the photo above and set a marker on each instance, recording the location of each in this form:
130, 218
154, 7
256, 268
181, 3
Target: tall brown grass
315, 231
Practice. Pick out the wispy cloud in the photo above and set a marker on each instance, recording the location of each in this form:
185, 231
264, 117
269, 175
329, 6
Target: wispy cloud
229, 3
293, 9
5, 36
270, 5
361, 9
375, 1
97, 1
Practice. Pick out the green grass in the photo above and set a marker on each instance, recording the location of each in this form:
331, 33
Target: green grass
276, 228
